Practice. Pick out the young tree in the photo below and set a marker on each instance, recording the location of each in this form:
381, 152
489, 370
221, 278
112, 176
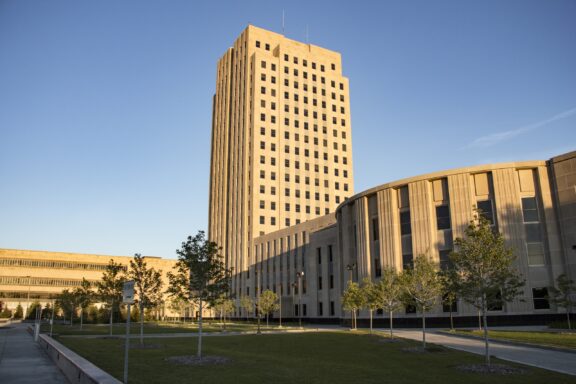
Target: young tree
388, 292
371, 297
67, 301
353, 300
224, 306
421, 285
247, 304
32, 309
200, 271
449, 281
84, 296
19, 312
147, 286
563, 296
110, 288
484, 270
268, 303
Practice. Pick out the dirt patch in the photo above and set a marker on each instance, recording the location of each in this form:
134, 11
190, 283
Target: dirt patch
195, 360
146, 346
493, 369
420, 350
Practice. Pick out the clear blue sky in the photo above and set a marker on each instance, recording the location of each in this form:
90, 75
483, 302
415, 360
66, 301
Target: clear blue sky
105, 106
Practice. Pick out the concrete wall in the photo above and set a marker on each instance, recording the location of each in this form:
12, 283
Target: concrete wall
76, 369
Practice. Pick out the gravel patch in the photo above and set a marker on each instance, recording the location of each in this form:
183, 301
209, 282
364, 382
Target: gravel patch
493, 369
196, 361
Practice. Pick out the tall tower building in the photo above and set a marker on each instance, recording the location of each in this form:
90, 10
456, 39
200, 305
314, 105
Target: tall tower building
281, 141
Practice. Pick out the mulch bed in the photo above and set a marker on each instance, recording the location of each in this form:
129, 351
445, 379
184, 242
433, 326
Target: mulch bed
420, 350
493, 369
145, 346
195, 360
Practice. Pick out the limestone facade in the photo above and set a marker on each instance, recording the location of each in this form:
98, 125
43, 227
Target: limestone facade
27, 276
281, 142
530, 203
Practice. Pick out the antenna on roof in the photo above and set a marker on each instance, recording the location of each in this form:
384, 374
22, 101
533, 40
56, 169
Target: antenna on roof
282, 21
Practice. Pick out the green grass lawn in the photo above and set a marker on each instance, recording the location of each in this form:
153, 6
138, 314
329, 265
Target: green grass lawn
324, 357
555, 339
120, 329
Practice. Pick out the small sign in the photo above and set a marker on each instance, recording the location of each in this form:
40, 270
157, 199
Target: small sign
128, 292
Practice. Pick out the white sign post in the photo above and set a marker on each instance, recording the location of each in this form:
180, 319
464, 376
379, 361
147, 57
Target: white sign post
127, 298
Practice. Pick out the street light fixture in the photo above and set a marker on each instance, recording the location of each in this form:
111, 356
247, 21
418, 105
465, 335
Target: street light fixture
350, 268
300, 275
257, 298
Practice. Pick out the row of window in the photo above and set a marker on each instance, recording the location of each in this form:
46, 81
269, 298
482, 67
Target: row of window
296, 96
287, 221
306, 127
296, 84
30, 263
39, 281
305, 112
297, 60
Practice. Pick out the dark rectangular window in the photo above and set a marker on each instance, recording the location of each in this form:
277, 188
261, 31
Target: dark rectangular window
443, 217
445, 262
320, 312
319, 255
495, 300
377, 268
332, 307
530, 209
485, 208
407, 261
540, 298
331, 281
375, 229
405, 226
319, 283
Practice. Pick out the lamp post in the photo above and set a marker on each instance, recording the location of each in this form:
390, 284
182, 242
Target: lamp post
258, 299
293, 285
300, 275
280, 302
350, 268
27, 298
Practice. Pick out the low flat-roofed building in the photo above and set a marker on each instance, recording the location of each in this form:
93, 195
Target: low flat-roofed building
28, 276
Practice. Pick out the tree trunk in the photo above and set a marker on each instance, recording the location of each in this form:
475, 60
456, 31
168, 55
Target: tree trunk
423, 328
370, 321
200, 330
391, 334
267, 321
485, 318
479, 321
71, 316
451, 319
81, 318
568, 317
141, 323
111, 312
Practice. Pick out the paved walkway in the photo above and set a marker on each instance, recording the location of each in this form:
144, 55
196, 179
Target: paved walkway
22, 361
563, 362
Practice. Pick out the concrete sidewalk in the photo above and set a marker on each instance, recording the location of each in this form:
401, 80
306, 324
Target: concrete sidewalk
22, 361
563, 362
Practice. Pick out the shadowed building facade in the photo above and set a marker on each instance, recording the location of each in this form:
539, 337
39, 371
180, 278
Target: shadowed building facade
530, 203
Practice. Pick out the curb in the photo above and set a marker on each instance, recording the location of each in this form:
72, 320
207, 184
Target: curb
510, 342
